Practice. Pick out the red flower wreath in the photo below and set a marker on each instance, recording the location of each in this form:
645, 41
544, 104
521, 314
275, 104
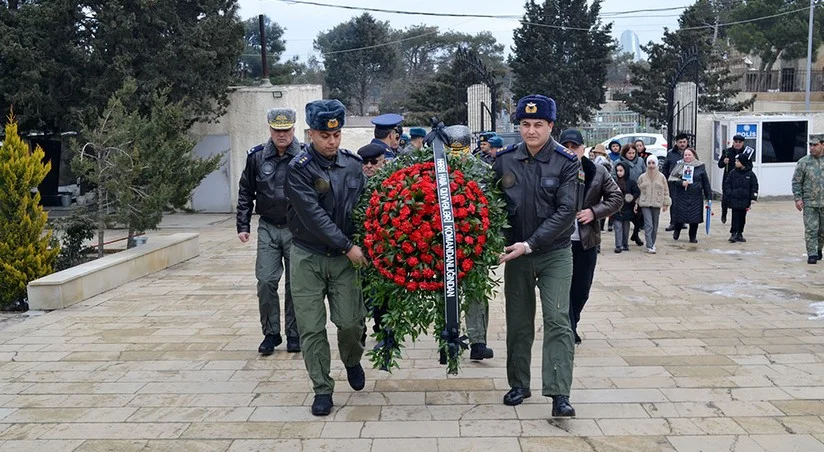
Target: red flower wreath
403, 223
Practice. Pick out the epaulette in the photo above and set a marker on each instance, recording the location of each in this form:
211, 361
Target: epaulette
566, 152
352, 154
302, 159
511, 148
255, 149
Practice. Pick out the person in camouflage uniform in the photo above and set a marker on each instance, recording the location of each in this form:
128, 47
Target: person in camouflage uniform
808, 192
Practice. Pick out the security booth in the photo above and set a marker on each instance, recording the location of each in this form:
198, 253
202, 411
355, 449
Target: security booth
779, 142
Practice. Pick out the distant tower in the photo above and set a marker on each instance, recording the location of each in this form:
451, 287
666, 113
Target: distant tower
631, 44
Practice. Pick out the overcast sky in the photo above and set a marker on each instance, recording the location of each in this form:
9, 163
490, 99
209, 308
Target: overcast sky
304, 22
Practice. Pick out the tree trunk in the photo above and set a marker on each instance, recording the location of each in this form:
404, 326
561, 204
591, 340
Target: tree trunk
130, 240
101, 228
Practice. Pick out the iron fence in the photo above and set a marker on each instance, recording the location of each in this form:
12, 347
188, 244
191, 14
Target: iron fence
786, 80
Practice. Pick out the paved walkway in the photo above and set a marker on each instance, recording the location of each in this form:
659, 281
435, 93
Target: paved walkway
711, 347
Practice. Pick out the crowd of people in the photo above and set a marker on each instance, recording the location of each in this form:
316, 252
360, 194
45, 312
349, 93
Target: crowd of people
681, 185
557, 201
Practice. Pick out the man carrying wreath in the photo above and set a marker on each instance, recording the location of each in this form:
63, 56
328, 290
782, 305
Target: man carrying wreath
542, 183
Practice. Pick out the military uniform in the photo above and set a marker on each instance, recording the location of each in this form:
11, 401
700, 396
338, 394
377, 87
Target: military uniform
389, 122
542, 195
262, 188
808, 186
322, 194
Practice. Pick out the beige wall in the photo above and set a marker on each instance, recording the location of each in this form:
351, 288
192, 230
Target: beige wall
245, 120
783, 102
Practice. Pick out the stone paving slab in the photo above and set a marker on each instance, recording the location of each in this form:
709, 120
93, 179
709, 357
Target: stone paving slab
712, 347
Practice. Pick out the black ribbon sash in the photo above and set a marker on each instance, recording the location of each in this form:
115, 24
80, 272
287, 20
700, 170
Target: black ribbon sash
452, 305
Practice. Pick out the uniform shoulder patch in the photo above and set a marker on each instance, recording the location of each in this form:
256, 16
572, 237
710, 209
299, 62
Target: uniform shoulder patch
255, 149
510, 148
352, 154
302, 159
569, 154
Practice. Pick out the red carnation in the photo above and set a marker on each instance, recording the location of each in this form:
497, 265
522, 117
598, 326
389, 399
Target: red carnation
412, 261
467, 265
399, 280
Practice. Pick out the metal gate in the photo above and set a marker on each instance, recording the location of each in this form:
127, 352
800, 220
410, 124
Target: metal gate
682, 99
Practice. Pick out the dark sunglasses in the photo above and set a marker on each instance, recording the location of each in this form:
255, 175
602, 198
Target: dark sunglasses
370, 161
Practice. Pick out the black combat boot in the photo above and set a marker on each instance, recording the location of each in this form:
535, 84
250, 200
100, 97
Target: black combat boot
561, 407
292, 344
812, 259
322, 405
356, 377
267, 347
480, 351
740, 237
733, 238
516, 396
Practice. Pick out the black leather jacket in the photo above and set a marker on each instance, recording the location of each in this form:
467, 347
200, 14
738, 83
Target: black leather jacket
322, 194
543, 194
261, 184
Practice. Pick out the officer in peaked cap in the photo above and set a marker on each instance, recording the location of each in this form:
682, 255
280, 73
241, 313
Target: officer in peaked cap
540, 180
323, 185
388, 132
262, 189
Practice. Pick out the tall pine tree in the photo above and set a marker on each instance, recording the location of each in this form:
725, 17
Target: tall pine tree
697, 32
562, 51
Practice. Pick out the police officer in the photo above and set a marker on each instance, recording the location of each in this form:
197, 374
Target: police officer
808, 192
261, 188
404, 141
727, 163
541, 181
388, 133
323, 185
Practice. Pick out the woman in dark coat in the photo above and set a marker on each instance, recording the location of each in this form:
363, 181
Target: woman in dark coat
623, 218
689, 194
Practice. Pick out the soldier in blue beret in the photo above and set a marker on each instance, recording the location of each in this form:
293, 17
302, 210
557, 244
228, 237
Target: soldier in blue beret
493, 145
541, 181
388, 132
323, 185
262, 189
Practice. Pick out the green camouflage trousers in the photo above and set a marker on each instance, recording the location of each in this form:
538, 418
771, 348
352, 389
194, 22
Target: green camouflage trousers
813, 229
552, 273
315, 278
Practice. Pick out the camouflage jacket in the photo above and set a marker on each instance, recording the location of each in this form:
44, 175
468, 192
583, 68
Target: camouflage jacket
808, 181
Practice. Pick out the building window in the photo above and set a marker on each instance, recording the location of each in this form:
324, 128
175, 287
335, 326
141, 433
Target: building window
783, 141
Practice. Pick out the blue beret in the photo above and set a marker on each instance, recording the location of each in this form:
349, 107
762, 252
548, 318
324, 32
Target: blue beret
371, 151
387, 121
325, 115
496, 142
417, 132
535, 106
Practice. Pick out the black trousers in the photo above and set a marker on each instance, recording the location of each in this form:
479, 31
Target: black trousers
739, 219
638, 224
693, 230
583, 270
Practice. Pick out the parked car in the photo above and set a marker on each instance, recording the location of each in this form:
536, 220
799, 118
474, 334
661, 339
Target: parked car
655, 142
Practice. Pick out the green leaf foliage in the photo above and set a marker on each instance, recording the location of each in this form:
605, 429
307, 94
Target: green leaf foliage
68, 58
